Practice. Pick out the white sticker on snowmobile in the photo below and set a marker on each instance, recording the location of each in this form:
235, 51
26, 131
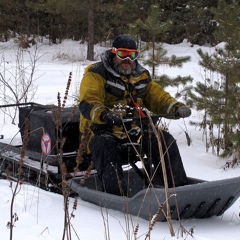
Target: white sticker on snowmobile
46, 144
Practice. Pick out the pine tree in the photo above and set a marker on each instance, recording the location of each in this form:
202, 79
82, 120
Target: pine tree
219, 97
175, 11
199, 23
153, 26
157, 55
162, 59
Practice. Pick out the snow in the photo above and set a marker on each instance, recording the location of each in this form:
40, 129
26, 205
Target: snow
40, 213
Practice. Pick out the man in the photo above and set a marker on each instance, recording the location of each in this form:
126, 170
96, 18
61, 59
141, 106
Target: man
118, 88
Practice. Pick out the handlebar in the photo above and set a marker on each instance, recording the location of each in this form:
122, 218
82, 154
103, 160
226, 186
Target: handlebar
18, 104
154, 117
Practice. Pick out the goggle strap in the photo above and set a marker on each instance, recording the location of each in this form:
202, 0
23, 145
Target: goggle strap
115, 50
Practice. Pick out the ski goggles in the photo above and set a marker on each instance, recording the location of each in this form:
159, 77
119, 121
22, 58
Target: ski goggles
124, 53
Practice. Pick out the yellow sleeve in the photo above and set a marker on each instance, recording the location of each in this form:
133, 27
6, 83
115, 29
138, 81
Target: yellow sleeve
159, 101
92, 95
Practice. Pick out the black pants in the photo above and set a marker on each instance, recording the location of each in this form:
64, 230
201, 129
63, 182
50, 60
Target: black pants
108, 157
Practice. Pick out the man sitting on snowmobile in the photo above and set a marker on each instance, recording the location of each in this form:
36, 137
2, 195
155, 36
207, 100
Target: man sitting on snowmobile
118, 88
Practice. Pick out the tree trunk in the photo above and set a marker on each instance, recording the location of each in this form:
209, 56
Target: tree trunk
90, 50
226, 120
153, 56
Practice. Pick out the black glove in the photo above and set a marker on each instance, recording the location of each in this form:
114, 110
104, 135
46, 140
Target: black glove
183, 111
111, 118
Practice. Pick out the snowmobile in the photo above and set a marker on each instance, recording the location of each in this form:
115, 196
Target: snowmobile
39, 154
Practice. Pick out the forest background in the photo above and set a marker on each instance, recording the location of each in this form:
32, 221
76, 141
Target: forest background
152, 23
101, 20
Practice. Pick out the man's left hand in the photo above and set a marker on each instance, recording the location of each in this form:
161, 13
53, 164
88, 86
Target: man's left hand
183, 112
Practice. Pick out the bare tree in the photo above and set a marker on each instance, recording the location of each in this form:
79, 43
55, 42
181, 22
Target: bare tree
17, 80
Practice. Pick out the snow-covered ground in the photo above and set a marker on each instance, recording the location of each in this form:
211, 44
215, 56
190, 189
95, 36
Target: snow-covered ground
40, 213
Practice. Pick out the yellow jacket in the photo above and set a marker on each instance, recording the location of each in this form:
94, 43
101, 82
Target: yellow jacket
104, 89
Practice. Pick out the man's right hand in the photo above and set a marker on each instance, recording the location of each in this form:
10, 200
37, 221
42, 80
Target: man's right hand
111, 118
183, 111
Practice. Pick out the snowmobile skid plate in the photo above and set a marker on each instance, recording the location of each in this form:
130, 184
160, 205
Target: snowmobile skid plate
198, 199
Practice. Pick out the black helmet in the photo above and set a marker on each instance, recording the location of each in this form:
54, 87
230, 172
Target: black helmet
124, 41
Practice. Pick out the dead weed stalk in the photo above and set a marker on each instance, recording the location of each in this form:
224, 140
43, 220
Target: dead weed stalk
57, 118
20, 180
